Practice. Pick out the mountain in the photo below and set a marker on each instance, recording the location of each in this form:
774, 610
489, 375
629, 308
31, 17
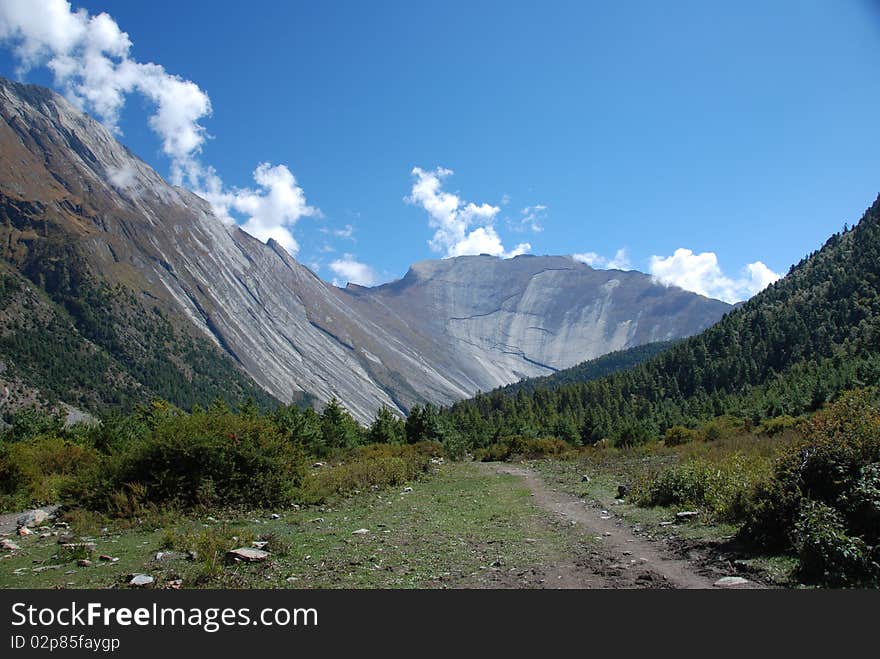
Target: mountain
143, 292
788, 350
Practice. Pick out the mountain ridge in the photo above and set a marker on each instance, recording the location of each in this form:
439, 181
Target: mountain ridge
72, 198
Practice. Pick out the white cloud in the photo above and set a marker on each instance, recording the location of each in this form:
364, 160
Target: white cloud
346, 232
89, 57
531, 218
620, 260
270, 211
453, 219
701, 274
350, 270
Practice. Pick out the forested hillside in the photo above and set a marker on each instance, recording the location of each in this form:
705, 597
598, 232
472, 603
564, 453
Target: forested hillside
593, 369
788, 350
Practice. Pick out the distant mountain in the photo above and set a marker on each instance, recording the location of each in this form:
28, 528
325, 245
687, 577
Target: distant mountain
788, 350
143, 292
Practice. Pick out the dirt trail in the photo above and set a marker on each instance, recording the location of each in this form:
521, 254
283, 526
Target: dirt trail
622, 559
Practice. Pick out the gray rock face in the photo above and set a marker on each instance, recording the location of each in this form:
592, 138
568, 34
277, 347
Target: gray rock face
445, 331
496, 321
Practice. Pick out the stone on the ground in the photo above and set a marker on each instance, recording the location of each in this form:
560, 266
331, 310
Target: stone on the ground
8, 545
74, 546
33, 517
361, 532
731, 582
23, 531
622, 491
686, 515
141, 580
274, 516
247, 554
407, 490
585, 479
318, 465
84, 562
259, 544
168, 556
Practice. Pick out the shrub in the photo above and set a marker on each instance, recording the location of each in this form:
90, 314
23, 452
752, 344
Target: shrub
823, 497
826, 552
208, 458
719, 487
379, 465
519, 446
678, 435
778, 424
34, 471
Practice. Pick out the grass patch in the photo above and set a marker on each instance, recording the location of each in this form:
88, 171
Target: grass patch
446, 532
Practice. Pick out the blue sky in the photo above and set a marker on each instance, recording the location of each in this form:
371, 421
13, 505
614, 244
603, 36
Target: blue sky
735, 133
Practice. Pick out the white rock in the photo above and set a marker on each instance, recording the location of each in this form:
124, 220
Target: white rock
8, 545
361, 532
141, 580
248, 555
732, 582
33, 517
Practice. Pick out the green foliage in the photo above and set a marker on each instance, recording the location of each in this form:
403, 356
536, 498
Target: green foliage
778, 424
620, 360
718, 487
206, 458
423, 424
826, 553
376, 465
30, 422
338, 429
678, 435
520, 447
34, 470
822, 499
387, 428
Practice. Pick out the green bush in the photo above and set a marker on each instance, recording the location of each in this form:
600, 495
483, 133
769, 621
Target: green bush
678, 435
778, 424
379, 465
824, 495
208, 458
34, 471
519, 446
718, 487
825, 551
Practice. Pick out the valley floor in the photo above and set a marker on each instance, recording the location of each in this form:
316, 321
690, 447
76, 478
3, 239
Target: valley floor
470, 525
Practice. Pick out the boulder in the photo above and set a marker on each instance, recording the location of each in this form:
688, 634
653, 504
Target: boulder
33, 517
686, 515
247, 554
8, 545
141, 580
732, 582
